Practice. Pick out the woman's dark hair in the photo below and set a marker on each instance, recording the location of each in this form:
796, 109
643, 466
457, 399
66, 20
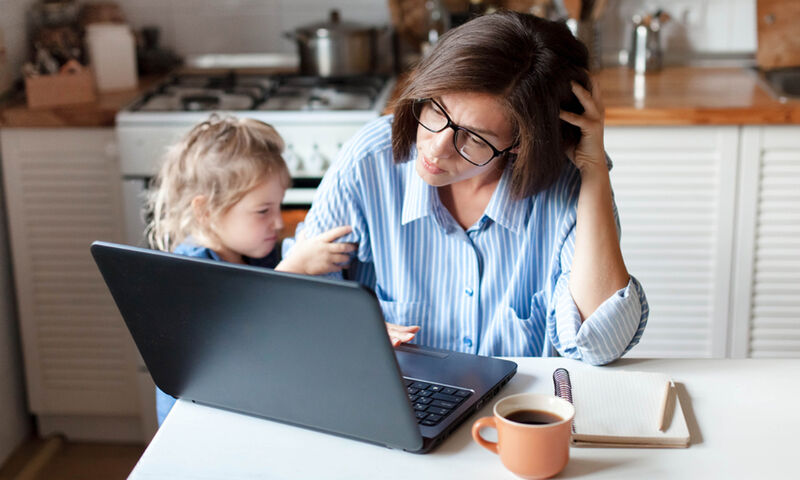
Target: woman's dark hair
528, 63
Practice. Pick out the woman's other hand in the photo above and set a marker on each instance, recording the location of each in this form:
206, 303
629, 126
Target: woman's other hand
320, 254
400, 333
589, 154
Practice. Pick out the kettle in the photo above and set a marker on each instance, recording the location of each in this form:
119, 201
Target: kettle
646, 54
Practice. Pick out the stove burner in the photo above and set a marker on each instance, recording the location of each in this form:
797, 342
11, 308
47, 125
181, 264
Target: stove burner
315, 102
196, 103
242, 92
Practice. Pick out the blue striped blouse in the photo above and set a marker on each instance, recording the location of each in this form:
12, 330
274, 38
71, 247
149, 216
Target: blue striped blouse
498, 288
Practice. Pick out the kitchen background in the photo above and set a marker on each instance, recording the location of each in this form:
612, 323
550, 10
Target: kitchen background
245, 26
720, 29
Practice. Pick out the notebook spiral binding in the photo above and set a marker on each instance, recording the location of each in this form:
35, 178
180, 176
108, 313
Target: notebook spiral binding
563, 387
561, 384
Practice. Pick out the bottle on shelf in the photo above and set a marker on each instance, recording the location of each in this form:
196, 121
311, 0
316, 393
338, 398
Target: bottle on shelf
438, 21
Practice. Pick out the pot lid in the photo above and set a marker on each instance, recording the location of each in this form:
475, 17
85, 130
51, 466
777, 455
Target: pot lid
334, 25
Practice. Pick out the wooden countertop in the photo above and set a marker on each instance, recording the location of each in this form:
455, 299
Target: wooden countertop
100, 113
674, 96
691, 96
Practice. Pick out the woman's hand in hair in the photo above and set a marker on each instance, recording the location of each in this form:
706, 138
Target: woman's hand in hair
320, 254
589, 155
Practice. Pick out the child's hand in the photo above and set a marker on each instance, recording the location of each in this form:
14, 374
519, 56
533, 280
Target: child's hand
320, 254
400, 333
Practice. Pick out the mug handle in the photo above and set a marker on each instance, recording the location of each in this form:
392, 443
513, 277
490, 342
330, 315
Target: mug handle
476, 433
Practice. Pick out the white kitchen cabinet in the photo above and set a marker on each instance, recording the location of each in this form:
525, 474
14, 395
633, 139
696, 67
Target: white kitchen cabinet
675, 191
63, 191
766, 293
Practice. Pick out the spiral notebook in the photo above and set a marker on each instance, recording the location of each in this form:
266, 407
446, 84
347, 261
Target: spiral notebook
618, 408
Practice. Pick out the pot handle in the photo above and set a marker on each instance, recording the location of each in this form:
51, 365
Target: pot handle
296, 36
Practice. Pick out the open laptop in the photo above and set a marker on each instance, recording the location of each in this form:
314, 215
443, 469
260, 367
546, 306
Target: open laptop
307, 351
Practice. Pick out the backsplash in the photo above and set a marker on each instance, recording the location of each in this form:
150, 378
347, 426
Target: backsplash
244, 26
12, 23
703, 26
230, 26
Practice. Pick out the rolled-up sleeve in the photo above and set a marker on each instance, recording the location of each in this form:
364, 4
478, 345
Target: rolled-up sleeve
612, 329
608, 333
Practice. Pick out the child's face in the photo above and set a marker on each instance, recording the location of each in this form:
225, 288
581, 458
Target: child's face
250, 227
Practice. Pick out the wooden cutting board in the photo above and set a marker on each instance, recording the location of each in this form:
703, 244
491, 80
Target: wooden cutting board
778, 33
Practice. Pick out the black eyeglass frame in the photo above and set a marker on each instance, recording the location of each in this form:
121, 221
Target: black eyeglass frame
495, 152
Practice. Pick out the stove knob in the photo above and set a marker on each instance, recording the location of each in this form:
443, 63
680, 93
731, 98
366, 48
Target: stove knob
317, 162
292, 160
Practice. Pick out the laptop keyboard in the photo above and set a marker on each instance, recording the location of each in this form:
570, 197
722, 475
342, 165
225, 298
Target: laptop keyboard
433, 402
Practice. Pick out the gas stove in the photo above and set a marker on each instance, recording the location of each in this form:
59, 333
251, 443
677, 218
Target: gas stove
314, 115
237, 92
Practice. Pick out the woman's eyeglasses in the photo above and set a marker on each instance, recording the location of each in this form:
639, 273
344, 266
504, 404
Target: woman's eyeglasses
471, 146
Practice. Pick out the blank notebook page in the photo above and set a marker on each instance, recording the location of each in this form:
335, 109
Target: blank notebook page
611, 403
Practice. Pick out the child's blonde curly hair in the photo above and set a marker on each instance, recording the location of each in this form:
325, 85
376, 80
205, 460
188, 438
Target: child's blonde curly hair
221, 159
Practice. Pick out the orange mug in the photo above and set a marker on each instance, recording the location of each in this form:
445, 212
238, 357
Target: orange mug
533, 433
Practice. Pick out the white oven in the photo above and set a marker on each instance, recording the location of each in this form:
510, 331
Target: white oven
314, 116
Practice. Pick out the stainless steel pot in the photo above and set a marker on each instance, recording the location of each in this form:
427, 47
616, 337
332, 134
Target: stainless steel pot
335, 48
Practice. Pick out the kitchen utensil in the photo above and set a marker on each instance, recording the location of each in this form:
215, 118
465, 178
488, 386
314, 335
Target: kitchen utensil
437, 22
152, 58
335, 48
645, 54
778, 41
53, 13
63, 42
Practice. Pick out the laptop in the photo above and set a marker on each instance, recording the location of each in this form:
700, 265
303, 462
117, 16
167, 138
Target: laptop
307, 351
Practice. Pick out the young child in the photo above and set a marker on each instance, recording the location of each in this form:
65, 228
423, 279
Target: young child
218, 196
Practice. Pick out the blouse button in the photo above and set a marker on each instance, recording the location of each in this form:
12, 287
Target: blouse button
468, 291
467, 341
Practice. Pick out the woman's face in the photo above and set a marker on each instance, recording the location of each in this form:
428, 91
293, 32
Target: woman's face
438, 162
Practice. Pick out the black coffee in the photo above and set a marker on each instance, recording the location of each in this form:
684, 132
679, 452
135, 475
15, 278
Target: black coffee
533, 417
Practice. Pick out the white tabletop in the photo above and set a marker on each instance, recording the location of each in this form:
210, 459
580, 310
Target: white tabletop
743, 415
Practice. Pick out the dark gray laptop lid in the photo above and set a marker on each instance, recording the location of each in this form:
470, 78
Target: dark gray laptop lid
262, 342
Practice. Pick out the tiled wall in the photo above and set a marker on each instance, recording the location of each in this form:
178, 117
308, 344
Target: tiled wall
231, 26
242, 26
12, 23
223, 26
713, 26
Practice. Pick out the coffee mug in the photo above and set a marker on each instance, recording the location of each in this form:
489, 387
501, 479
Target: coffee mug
533, 432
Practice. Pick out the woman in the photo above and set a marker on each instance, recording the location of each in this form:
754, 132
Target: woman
482, 210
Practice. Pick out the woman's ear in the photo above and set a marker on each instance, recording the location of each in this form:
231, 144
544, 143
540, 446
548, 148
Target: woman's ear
200, 210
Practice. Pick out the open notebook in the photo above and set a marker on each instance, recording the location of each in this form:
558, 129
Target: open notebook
625, 409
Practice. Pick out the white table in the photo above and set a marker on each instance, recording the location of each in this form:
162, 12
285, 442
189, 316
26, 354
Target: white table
744, 417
